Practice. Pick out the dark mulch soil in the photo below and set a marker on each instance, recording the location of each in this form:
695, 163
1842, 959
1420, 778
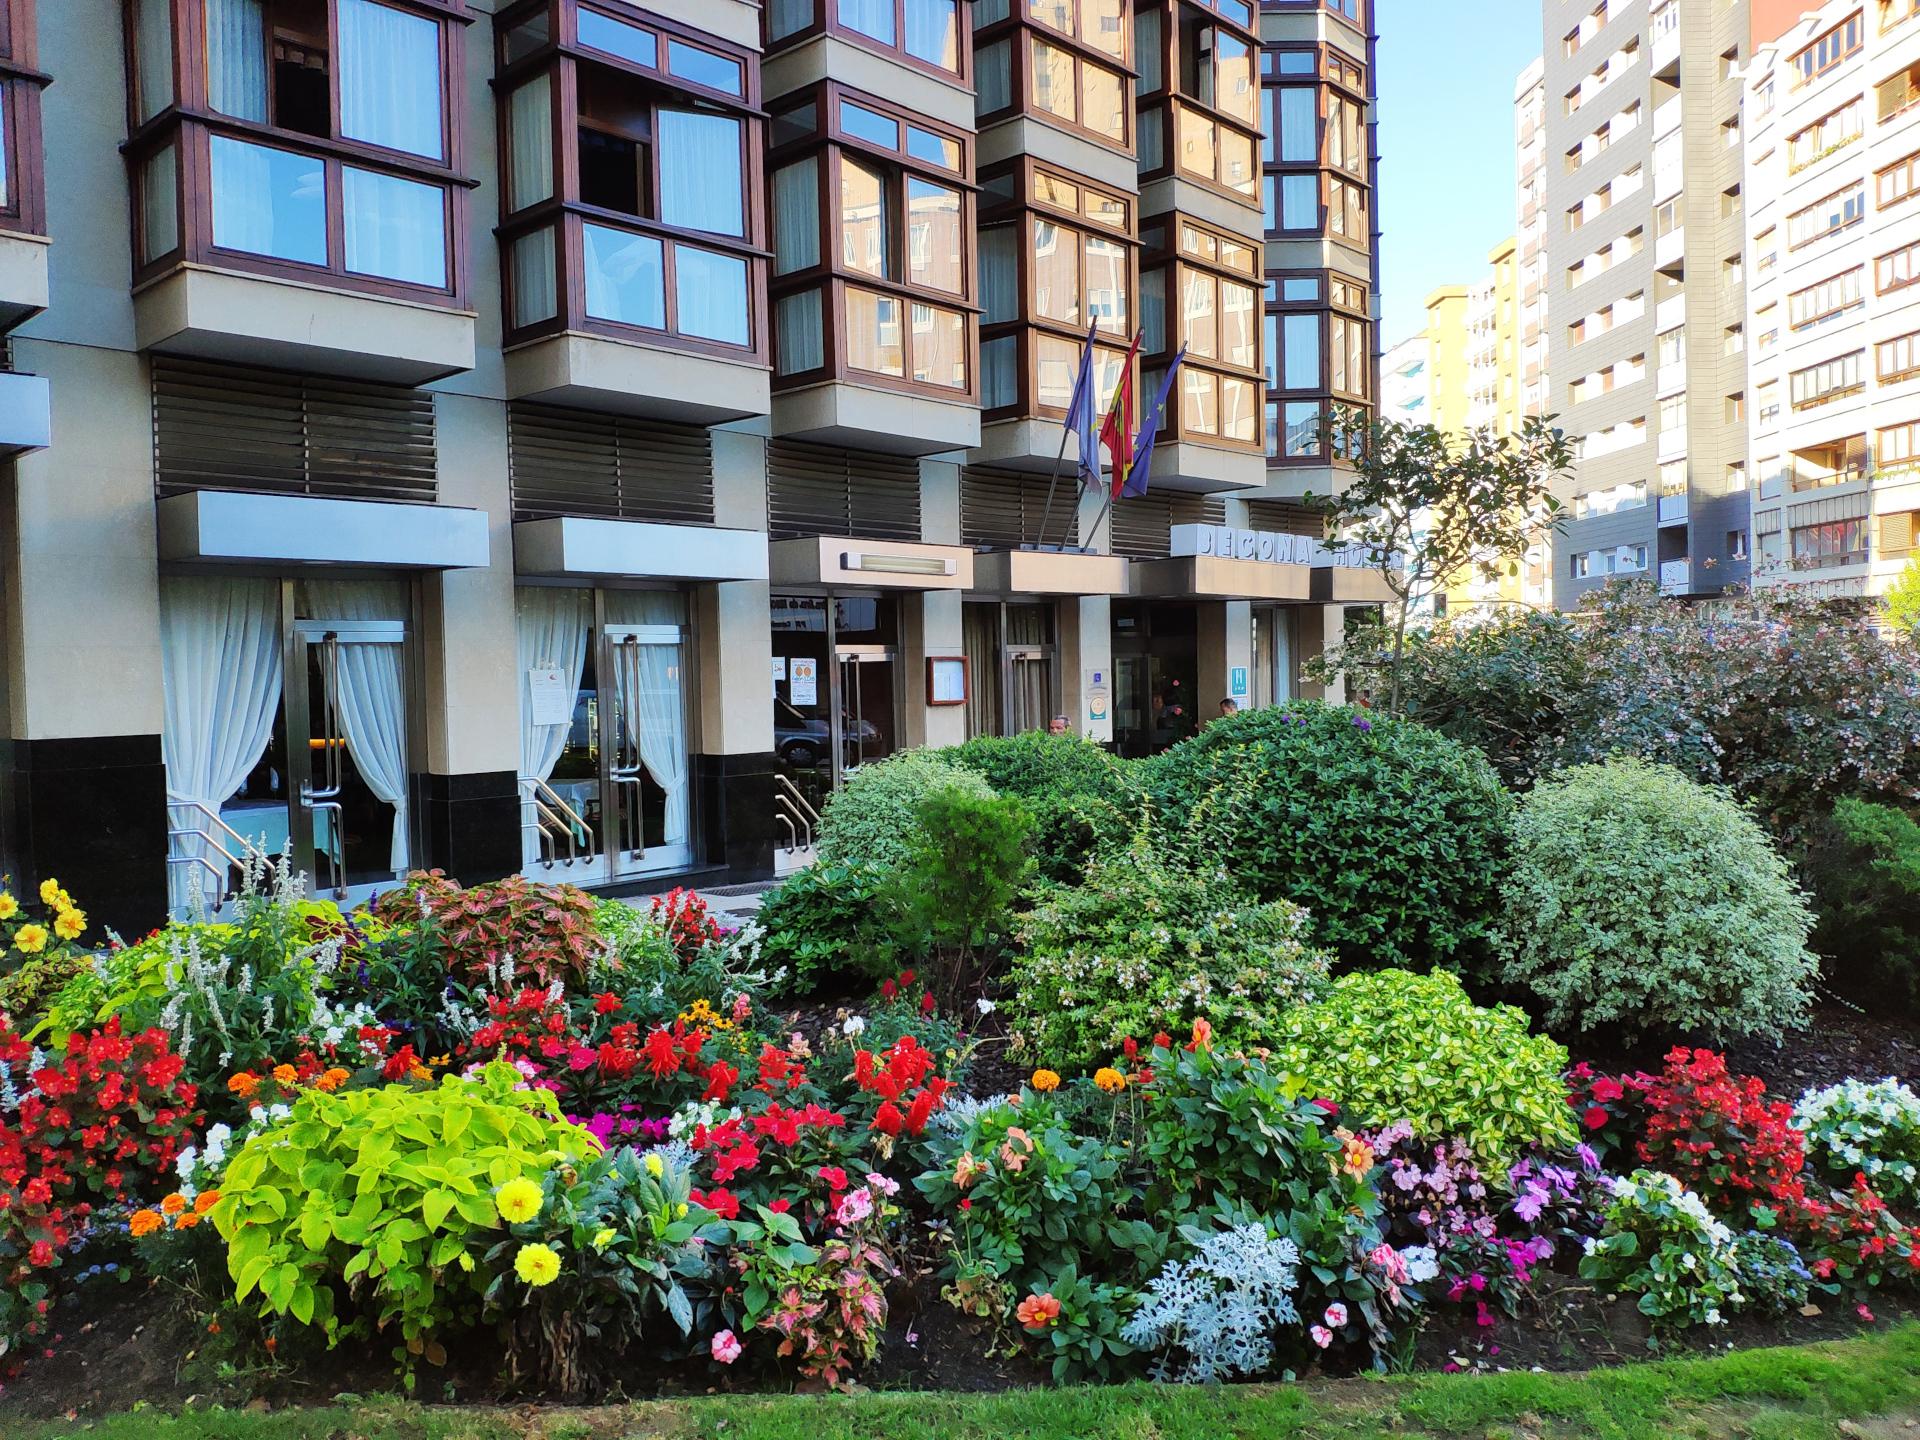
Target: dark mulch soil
1844, 1041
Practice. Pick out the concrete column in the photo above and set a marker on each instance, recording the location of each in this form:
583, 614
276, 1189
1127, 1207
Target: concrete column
1318, 629
1223, 644
84, 776
1086, 650
930, 622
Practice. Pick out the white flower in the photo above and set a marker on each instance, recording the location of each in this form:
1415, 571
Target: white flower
986, 1006
854, 1026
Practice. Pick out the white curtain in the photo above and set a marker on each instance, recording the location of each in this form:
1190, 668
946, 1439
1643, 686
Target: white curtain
796, 216
221, 671
787, 16
237, 59
801, 340
660, 705
699, 156
530, 143
553, 626
390, 78
372, 691
534, 297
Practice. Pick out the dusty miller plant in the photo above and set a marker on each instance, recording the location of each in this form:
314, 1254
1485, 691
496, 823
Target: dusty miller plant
1212, 1316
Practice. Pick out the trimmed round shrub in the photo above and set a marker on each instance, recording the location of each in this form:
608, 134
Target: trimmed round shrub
872, 819
1642, 899
1391, 835
1144, 946
1393, 1046
1082, 798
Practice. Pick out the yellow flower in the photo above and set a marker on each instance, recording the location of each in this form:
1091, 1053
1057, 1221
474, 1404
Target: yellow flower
70, 924
518, 1201
1045, 1080
9, 907
537, 1265
680, 1211
52, 895
655, 1166
30, 939
603, 1239
1109, 1080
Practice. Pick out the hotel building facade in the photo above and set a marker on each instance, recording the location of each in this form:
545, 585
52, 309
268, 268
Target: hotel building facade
568, 436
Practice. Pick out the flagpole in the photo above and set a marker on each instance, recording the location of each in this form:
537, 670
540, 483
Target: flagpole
1046, 515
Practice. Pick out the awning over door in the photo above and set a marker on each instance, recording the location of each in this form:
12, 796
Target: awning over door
571, 546
241, 528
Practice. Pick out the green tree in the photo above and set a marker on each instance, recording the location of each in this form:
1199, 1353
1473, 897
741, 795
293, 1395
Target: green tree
1424, 507
1903, 600
952, 899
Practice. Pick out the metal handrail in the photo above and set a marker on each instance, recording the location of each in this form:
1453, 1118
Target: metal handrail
553, 816
792, 810
210, 834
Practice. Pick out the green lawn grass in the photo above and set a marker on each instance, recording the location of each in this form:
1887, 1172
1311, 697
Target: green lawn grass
1866, 1389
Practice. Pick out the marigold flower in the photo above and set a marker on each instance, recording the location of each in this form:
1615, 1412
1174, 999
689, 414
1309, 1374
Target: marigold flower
1037, 1312
285, 1074
1045, 1080
30, 939
333, 1079
537, 1265
1109, 1079
205, 1201
186, 1221
144, 1222
174, 1204
70, 924
518, 1201
243, 1084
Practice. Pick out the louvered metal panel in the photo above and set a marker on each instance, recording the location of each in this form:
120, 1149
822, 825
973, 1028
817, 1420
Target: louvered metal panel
1006, 507
229, 427
823, 490
1285, 517
1143, 528
608, 467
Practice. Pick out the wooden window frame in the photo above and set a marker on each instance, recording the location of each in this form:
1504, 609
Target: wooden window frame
1912, 254
1028, 327
1909, 168
1166, 253
829, 144
1162, 107
189, 124
1022, 33
1795, 326
1330, 177
560, 58
1339, 8
826, 21
1911, 340
21, 81
1806, 76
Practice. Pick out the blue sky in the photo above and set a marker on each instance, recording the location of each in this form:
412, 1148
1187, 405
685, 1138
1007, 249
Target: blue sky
1446, 77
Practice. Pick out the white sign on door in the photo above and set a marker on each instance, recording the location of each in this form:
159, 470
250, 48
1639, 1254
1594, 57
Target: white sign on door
779, 669
550, 697
803, 681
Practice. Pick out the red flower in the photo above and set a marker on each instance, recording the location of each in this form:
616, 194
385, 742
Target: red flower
606, 1003
888, 1120
663, 1057
835, 1177
720, 1078
888, 989
41, 1255
1130, 1047
1607, 1089
926, 1003
920, 1111
780, 1207
1595, 1117
723, 1203
1162, 1040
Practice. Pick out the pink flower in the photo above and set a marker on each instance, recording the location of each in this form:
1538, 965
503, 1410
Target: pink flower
1322, 1336
1336, 1315
582, 1057
1864, 1313
882, 1184
726, 1347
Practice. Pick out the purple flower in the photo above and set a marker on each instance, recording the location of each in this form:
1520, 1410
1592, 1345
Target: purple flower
1360, 722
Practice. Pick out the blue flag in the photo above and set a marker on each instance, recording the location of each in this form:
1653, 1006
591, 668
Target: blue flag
1136, 485
1082, 415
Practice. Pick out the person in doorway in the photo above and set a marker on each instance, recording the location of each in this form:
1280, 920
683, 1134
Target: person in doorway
1229, 707
1057, 725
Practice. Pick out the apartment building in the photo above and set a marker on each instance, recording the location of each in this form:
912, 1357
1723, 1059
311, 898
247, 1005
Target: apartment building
1646, 281
568, 436
1447, 370
1403, 382
1833, 324
1493, 343
1530, 211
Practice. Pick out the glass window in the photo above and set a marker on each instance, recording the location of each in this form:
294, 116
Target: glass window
869, 125
939, 347
933, 234
872, 18
530, 265
933, 32
159, 203
1239, 409
796, 216
530, 143
1103, 101
390, 90
1103, 26
866, 243
1298, 124
933, 149
700, 185
616, 37
874, 341
710, 295
1202, 320
1239, 342
153, 45
1236, 86
394, 228
626, 280
1107, 284
268, 201
802, 345
1300, 342
1299, 202
1300, 429
1056, 272
1200, 403
703, 67
1053, 80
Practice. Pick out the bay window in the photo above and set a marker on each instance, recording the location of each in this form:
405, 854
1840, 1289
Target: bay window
1319, 353
22, 194
926, 33
1059, 60
630, 171
299, 137
872, 245
1317, 153
1199, 290
1057, 258
1201, 111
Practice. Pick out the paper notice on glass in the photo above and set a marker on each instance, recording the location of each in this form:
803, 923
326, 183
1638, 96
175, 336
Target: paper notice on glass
779, 669
803, 682
550, 697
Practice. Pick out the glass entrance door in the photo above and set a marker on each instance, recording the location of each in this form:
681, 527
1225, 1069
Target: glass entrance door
346, 748
644, 778
865, 728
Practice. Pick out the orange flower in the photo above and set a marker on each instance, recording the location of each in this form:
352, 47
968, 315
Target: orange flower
1109, 1080
205, 1201
1037, 1312
186, 1222
1045, 1080
144, 1222
1202, 1034
174, 1204
285, 1074
243, 1084
334, 1079
420, 1072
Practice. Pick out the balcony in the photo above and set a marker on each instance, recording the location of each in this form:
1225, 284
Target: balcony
23, 278
1670, 249
1673, 509
1672, 444
1670, 313
864, 417
1676, 577
26, 414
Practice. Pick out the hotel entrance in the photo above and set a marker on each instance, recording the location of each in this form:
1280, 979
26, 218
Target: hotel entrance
836, 686
1156, 700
